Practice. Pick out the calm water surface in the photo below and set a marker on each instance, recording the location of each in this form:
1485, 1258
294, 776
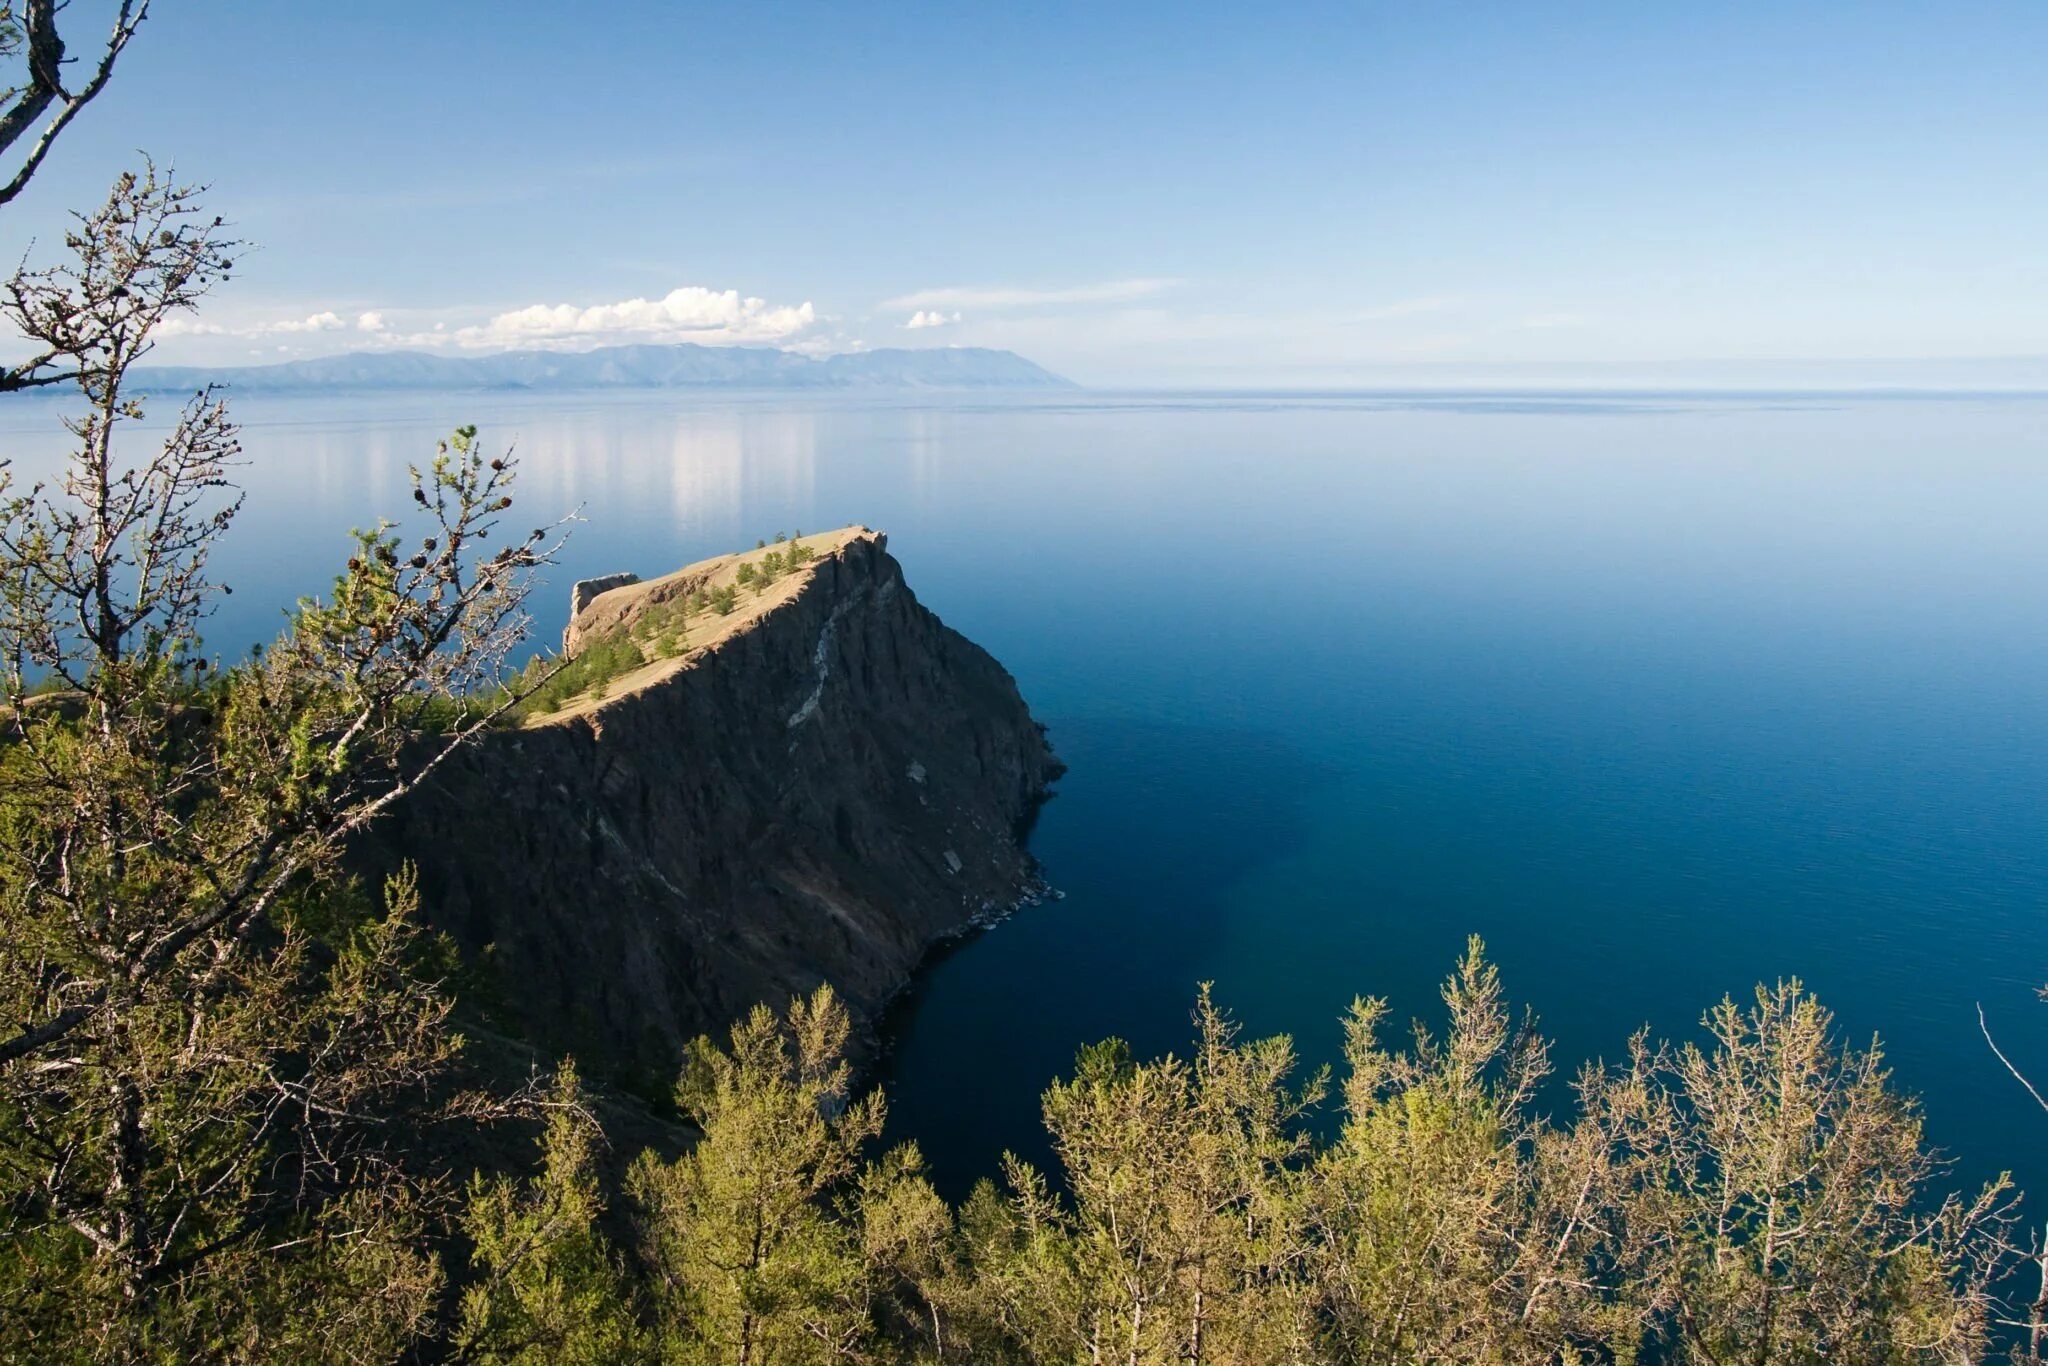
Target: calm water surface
1661, 697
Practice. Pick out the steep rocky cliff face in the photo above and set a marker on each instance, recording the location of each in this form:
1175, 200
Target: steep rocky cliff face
827, 786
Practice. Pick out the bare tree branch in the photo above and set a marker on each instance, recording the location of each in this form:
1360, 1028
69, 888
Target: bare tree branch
45, 90
2000, 1055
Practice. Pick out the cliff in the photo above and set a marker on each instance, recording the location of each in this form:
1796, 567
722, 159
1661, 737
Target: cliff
820, 786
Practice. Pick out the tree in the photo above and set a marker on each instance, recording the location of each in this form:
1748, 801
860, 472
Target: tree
1182, 1238
549, 1288
43, 102
1772, 1199
1427, 1208
211, 1035
768, 1241
148, 253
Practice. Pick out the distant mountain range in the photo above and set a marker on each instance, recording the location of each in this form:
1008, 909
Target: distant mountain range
682, 366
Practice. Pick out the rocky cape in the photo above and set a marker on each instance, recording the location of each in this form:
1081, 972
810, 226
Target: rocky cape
821, 787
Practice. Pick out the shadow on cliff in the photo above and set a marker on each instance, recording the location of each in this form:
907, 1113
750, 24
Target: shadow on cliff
1154, 826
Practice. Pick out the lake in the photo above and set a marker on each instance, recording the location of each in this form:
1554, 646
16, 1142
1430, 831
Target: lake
1660, 695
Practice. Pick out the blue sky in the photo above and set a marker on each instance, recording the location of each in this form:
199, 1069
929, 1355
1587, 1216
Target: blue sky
1131, 194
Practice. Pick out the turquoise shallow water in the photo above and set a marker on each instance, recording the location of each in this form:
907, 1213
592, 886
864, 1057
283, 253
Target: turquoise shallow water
1661, 696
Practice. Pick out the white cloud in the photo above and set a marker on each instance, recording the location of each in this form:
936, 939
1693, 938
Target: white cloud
923, 319
185, 325
998, 296
691, 313
318, 322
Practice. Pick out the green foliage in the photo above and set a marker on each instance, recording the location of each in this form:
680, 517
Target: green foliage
546, 1285
1701, 1203
1181, 1235
550, 684
723, 600
767, 1237
1771, 1196
663, 626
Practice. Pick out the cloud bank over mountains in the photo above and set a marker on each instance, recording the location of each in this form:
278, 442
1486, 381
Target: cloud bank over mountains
1106, 330
689, 313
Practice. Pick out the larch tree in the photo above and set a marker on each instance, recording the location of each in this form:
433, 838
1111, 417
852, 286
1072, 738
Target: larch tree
1180, 1234
1773, 1199
1423, 1205
771, 1240
209, 1036
546, 1286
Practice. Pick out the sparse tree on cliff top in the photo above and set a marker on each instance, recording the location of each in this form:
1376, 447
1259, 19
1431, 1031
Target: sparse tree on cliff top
204, 1032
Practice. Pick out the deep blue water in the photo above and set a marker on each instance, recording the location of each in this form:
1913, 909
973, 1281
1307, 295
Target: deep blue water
1661, 696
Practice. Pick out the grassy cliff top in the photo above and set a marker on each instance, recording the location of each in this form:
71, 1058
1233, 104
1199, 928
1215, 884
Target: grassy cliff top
634, 636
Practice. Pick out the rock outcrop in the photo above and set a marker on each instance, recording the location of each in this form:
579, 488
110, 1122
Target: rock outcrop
585, 591
821, 787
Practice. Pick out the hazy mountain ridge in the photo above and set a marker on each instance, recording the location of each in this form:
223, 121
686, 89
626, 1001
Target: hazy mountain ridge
683, 365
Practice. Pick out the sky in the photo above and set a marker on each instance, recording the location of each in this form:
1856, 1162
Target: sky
1132, 195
